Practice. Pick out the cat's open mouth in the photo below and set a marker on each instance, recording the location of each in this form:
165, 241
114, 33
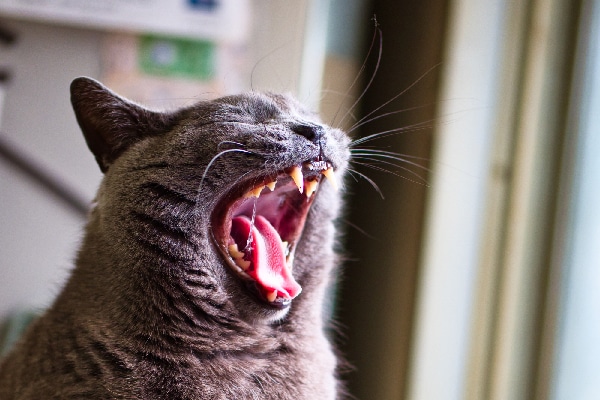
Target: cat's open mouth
258, 224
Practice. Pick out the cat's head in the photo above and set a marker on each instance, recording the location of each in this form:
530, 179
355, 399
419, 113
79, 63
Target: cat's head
227, 196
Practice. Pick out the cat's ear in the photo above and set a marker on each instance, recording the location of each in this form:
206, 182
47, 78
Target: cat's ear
110, 123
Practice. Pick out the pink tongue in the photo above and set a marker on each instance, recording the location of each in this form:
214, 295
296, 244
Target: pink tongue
268, 266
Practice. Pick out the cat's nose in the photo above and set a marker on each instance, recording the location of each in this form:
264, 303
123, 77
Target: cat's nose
312, 132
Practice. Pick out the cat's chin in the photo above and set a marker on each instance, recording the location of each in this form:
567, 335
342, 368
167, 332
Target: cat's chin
257, 226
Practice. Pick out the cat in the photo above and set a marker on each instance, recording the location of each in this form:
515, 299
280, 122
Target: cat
206, 261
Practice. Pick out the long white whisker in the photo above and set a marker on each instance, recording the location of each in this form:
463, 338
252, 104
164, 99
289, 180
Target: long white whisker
363, 122
379, 135
215, 159
360, 121
358, 229
410, 128
229, 142
362, 68
386, 170
353, 171
377, 30
373, 151
375, 157
381, 168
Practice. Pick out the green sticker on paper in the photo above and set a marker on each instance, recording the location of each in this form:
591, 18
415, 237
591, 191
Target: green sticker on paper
177, 57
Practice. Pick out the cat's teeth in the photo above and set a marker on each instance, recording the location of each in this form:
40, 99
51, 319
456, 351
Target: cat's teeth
286, 248
271, 185
310, 187
272, 296
296, 174
238, 257
254, 192
330, 175
243, 264
234, 252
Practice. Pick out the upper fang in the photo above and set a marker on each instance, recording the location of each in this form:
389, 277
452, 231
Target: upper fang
330, 175
296, 174
254, 192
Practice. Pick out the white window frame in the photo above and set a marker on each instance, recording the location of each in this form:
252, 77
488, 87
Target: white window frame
488, 255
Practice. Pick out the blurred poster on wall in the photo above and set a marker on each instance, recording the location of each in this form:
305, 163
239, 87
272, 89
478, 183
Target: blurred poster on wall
222, 20
168, 71
162, 53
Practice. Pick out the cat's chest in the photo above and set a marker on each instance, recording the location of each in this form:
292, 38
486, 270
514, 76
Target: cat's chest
305, 371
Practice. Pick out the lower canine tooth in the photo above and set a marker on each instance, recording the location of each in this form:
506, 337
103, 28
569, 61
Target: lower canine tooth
243, 264
330, 175
296, 174
286, 248
234, 252
272, 296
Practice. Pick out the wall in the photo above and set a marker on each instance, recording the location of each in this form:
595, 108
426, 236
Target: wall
39, 234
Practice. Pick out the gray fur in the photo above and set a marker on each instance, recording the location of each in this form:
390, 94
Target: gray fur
151, 310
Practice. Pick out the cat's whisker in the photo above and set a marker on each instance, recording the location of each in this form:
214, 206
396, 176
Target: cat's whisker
360, 71
371, 162
347, 222
421, 180
377, 32
260, 60
376, 155
410, 128
338, 93
353, 177
419, 79
215, 158
372, 150
241, 145
363, 122
361, 175
379, 168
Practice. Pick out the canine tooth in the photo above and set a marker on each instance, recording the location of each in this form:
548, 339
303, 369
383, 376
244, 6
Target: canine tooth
310, 187
272, 296
330, 175
234, 252
296, 174
243, 264
271, 185
286, 248
254, 192
290, 261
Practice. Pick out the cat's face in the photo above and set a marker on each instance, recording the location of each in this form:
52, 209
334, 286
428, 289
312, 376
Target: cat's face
227, 188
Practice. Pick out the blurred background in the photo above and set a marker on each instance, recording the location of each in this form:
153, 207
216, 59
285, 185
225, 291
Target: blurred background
476, 276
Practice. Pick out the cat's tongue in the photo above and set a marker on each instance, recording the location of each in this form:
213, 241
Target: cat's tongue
266, 255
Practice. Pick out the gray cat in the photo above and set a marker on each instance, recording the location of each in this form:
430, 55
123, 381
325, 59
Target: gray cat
206, 262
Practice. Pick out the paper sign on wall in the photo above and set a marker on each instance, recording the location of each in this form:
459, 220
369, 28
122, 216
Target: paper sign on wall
222, 20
